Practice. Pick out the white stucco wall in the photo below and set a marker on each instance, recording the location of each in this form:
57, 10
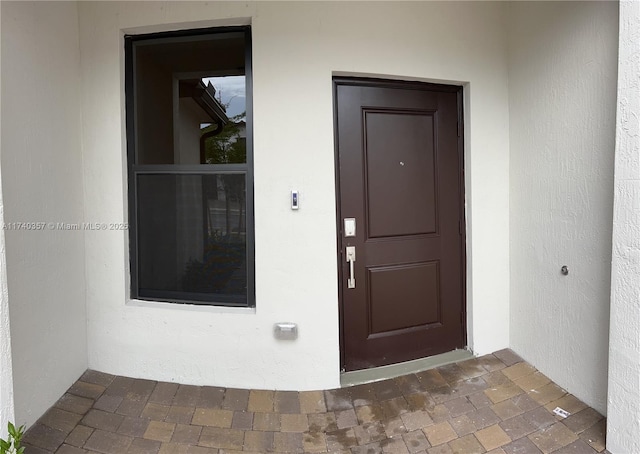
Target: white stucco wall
297, 46
6, 371
562, 98
42, 182
623, 406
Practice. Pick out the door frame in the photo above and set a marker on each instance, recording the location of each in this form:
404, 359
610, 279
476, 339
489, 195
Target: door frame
402, 84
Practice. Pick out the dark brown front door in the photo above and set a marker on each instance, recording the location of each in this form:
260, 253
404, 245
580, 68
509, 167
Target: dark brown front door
400, 181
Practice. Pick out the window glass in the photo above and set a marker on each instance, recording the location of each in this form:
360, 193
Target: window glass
192, 235
190, 166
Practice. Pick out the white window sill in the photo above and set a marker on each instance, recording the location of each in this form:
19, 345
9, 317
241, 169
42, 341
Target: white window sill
191, 307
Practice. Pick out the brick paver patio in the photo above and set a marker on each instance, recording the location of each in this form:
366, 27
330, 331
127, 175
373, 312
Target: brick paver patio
496, 403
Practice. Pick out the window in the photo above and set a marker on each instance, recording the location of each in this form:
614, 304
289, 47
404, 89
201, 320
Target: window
190, 166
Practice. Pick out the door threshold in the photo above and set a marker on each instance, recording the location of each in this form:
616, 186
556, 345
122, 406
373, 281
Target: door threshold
359, 377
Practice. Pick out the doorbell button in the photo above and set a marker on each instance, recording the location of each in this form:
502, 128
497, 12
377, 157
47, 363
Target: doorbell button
295, 202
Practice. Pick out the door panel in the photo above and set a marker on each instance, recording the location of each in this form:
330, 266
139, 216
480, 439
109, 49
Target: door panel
402, 179
400, 176
398, 293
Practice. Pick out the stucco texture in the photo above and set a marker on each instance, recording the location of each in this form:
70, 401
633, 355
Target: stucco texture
562, 100
623, 434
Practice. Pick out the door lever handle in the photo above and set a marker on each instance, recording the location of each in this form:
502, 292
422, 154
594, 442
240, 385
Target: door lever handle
351, 259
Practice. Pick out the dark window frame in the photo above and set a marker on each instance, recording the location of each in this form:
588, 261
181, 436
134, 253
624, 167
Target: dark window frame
134, 169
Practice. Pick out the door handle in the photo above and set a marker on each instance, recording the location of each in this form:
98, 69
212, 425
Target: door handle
351, 259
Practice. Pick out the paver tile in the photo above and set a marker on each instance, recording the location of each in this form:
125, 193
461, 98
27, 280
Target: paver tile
507, 356
547, 393
287, 442
552, 438
212, 417
74, 404
472, 368
346, 419
394, 446
97, 378
369, 413
286, 402
503, 392
341, 439
79, 435
459, 406
452, 373
462, 425
261, 401
581, 421
120, 386
236, 399
416, 441
483, 417
517, 427
69, 449
215, 437
362, 395
394, 427
496, 404
392, 408
61, 420
108, 442
312, 402
99, 419
89, 390
184, 433
186, 396
338, 399
163, 393
539, 418
518, 370
568, 403
133, 427
521, 446
144, 446
420, 401
409, 384
431, 379
242, 420
386, 389
577, 447
108, 403
506, 409
532, 381
492, 437
490, 363
468, 444
369, 432
294, 423
497, 378
596, 435
322, 422
180, 414
416, 420
258, 441
266, 421
370, 448
211, 397
439, 413
442, 449
44, 437
155, 411
479, 400
438, 434
160, 431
